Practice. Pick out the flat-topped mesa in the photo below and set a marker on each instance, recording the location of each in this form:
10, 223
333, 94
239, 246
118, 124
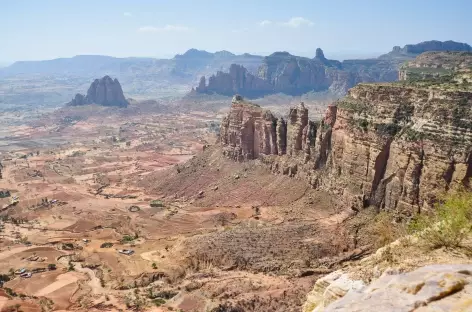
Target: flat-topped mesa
105, 91
456, 66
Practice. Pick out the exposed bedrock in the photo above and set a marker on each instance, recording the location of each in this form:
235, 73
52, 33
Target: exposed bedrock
393, 146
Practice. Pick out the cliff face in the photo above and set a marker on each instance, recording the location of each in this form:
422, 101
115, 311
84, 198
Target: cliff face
397, 147
237, 80
394, 146
294, 75
249, 131
104, 91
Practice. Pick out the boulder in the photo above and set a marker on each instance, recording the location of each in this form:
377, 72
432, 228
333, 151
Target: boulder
432, 288
330, 288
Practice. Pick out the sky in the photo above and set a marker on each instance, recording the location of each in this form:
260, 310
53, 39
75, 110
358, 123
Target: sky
47, 29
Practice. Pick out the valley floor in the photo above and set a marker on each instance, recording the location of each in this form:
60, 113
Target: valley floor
221, 233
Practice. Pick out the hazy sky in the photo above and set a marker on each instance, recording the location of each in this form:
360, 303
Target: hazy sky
46, 29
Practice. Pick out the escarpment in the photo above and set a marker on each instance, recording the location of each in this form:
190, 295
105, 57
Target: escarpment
394, 146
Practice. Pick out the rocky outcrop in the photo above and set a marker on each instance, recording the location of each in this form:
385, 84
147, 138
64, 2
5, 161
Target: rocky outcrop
249, 131
294, 75
330, 288
394, 146
237, 80
105, 91
285, 73
445, 287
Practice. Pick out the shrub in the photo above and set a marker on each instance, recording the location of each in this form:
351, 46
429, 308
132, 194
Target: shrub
127, 239
450, 223
106, 245
10, 292
387, 129
158, 302
4, 278
385, 230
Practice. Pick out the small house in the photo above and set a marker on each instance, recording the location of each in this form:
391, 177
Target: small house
127, 252
21, 271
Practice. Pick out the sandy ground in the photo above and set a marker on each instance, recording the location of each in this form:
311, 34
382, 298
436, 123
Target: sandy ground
61, 281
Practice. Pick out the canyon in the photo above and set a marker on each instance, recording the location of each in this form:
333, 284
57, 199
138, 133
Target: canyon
395, 146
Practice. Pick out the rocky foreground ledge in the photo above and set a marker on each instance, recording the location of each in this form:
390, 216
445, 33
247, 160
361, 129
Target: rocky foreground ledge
445, 287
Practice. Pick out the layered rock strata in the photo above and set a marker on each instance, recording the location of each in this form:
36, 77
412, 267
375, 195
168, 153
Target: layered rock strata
392, 146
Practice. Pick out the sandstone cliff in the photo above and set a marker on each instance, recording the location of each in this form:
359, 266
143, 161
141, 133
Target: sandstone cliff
237, 80
394, 146
105, 91
249, 131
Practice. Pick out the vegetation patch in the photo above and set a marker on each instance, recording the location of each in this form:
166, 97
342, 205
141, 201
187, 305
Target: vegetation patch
410, 134
448, 225
387, 129
106, 245
354, 106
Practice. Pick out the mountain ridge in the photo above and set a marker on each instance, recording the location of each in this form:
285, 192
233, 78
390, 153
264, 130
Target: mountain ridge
296, 75
407, 51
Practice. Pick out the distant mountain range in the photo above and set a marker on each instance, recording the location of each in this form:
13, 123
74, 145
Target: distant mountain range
59, 79
185, 65
282, 72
